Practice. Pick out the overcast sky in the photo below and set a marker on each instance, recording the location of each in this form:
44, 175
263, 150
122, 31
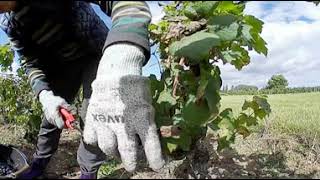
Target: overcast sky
292, 31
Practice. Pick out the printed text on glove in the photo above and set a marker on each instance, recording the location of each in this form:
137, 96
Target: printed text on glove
109, 119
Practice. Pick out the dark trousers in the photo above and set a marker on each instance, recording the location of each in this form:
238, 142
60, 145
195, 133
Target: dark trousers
65, 80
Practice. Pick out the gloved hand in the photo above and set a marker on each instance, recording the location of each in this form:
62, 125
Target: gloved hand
120, 108
51, 105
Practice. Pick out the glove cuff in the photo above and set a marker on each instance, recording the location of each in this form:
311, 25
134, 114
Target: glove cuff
120, 60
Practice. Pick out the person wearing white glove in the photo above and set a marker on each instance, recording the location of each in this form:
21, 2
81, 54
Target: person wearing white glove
51, 105
61, 44
121, 108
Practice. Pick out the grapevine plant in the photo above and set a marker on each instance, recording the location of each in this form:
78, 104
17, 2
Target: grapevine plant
192, 38
17, 102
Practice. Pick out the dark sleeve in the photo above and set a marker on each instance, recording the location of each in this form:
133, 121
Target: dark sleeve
130, 20
36, 77
52, 7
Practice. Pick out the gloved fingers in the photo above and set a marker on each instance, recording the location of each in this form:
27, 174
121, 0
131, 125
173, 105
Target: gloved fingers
107, 141
89, 134
152, 147
71, 109
127, 148
54, 118
149, 138
59, 121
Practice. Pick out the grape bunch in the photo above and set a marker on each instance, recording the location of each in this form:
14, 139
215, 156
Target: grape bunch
5, 169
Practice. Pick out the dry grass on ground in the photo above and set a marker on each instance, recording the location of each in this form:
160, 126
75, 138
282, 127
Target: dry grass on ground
288, 147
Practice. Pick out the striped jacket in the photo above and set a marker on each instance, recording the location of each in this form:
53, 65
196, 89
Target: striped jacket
43, 32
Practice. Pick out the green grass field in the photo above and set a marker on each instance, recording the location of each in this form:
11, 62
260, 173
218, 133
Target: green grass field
294, 114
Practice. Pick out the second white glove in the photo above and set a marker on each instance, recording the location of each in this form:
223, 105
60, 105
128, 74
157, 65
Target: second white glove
120, 108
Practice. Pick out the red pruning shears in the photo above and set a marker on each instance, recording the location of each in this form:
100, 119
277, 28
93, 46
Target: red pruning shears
69, 121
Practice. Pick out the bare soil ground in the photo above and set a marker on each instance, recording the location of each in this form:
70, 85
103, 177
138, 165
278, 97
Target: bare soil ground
259, 156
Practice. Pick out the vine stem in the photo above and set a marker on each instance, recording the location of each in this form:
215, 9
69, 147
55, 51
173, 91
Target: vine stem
176, 79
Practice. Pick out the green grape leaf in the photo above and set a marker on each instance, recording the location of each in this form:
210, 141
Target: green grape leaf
202, 87
252, 121
166, 97
6, 57
156, 86
261, 113
214, 124
212, 95
254, 26
249, 120
21, 72
246, 32
177, 119
263, 103
185, 141
236, 56
195, 114
222, 20
225, 26
152, 27
162, 119
243, 131
241, 120
223, 143
195, 47
205, 8
260, 46
229, 56
191, 13
172, 147
255, 23
226, 124
228, 33
230, 7
250, 104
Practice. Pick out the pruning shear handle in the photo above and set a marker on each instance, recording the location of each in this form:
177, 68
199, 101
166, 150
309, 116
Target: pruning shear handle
69, 120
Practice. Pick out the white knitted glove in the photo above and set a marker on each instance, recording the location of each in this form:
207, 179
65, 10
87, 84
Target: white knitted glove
51, 105
121, 108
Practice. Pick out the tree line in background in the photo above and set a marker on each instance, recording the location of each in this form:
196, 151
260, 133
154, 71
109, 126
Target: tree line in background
277, 84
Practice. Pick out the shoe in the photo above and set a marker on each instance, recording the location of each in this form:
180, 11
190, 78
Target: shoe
36, 170
88, 175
